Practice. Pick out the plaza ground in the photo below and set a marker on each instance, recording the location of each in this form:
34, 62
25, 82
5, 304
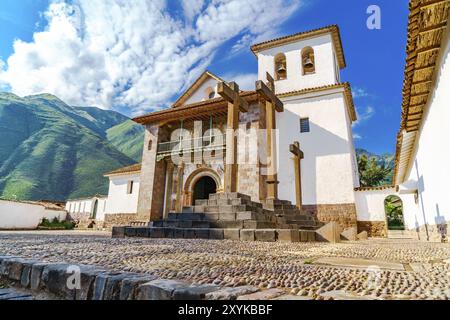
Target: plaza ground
371, 269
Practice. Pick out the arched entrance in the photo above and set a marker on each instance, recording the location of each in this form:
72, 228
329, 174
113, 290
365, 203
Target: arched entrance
201, 182
393, 207
203, 188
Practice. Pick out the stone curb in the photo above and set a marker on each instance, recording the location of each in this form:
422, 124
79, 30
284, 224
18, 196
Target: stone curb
99, 284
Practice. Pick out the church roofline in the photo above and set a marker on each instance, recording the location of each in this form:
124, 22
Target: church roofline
347, 93
427, 25
197, 109
197, 83
333, 29
124, 170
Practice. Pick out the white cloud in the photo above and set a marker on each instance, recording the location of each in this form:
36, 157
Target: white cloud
133, 53
359, 93
364, 115
246, 81
357, 136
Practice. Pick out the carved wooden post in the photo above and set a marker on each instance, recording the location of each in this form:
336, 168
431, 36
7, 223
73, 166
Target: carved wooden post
235, 104
266, 93
298, 156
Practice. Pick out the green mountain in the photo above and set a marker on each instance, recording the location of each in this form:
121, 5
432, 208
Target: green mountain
387, 159
50, 150
128, 138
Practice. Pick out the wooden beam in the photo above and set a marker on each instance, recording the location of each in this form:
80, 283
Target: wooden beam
267, 94
231, 93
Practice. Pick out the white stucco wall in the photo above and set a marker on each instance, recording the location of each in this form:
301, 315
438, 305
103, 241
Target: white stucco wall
20, 215
370, 204
119, 201
86, 207
430, 169
327, 170
200, 93
325, 64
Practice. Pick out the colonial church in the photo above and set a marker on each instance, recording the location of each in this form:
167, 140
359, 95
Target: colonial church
280, 156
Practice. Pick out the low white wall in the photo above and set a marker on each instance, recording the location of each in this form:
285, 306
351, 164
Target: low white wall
370, 204
21, 215
85, 208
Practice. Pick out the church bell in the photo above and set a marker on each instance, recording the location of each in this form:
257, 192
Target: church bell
281, 71
308, 63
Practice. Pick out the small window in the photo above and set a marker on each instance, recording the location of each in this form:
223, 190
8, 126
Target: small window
211, 95
150, 143
304, 125
130, 187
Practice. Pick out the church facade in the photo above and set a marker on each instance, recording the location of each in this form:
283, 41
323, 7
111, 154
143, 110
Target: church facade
289, 139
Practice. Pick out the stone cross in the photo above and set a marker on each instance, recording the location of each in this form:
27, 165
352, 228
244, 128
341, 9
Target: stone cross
230, 92
298, 155
271, 103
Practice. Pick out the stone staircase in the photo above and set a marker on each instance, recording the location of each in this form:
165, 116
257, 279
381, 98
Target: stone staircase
232, 216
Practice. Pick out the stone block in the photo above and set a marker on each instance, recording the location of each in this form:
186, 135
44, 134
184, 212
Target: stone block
178, 233
54, 279
247, 235
288, 235
216, 234
25, 277
194, 292
267, 235
201, 233
230, 293
311, 236
211, 216
142, 232
118, 232
59, 280
330, 232
349, 234
246, 215
156, 233
227, 216
169, 233
231, 234
159, 289
130, 232
189, 234
35, 276
12, 268
112, 286
362, 235
130, 284
303, 235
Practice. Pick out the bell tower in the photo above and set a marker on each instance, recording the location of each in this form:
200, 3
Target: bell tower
304, 60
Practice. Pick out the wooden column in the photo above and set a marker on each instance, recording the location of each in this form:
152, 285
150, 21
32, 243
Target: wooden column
272, 104
298, 156
169, 181
230, 93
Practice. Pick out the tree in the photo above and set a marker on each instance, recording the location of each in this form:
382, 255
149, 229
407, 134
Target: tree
370, 172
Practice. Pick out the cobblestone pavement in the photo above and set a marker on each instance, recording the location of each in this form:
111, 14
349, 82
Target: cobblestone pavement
425, 272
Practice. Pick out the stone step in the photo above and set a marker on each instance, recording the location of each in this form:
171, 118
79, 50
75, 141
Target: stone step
189, 209
232, 195
243, 234
186, 216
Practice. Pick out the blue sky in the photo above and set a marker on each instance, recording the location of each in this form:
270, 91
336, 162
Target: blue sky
189, 37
